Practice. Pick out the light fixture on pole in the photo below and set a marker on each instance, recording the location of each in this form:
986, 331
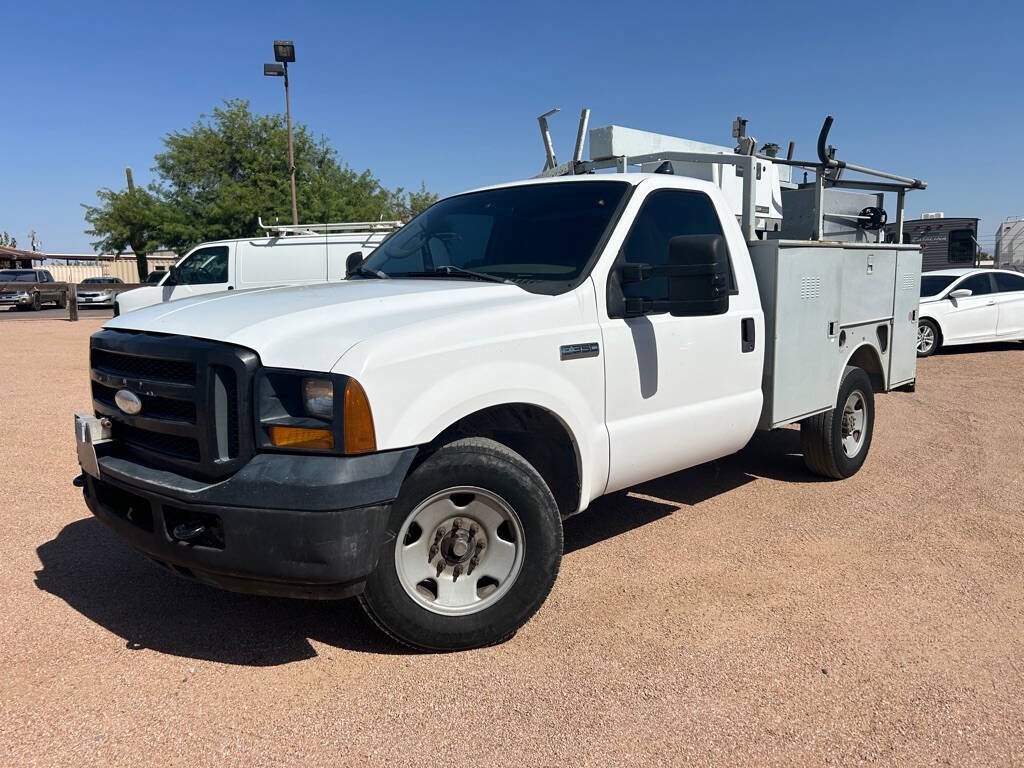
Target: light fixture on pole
284, 52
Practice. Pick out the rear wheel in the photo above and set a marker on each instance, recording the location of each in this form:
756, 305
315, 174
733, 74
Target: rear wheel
62, 301
927, 338
836, 443
473, 546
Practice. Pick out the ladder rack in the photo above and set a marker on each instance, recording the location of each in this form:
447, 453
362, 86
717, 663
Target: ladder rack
291, 230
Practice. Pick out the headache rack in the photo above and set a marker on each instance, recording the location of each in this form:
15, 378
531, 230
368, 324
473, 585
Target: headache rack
757, 185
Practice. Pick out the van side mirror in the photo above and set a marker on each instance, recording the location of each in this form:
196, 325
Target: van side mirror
961, 293
697, 271
353, 262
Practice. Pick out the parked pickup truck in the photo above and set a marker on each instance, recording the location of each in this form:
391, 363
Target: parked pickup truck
416, 434
39, 288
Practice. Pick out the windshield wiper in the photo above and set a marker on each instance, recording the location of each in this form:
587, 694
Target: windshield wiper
450, 270
366, 272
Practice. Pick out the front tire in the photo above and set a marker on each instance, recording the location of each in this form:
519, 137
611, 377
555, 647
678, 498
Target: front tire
472, 549
36, 305
927, 338
836, 443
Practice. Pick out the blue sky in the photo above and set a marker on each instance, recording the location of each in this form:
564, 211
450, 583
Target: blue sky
448, 93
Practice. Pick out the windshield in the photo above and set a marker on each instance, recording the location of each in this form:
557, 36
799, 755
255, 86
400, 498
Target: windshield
155, 277
17, 276
530, 233
932, 285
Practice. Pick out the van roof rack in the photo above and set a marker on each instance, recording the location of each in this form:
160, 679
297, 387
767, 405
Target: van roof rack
328, 228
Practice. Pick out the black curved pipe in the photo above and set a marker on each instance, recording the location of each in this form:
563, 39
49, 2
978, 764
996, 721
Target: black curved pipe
828, 162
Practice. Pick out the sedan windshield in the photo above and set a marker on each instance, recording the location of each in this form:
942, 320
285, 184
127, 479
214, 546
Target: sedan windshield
933, 285
544, 233
17, 276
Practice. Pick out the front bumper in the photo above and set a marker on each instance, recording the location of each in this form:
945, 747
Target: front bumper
284, 525
95, 301
21, 300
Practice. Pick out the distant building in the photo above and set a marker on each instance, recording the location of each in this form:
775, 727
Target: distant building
945, 242
1010, 243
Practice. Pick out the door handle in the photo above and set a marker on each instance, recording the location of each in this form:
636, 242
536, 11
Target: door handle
747, 334
989, 304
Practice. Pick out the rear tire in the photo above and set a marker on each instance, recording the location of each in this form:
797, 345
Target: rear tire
928, 339
62, 302
836, 443
503, 510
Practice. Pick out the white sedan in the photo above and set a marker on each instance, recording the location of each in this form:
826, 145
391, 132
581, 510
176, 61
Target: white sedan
969, 306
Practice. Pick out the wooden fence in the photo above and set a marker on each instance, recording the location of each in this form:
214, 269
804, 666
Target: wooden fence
66, 293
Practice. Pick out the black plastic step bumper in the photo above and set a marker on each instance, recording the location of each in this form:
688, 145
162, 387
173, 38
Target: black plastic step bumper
284, 525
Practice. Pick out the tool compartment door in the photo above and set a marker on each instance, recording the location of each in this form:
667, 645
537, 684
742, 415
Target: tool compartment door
906, 299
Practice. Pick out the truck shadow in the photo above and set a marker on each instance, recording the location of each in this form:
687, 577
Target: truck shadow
775, 455
146, 606
992, 346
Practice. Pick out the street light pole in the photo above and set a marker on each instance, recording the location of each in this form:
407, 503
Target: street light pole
284, 52
291, 150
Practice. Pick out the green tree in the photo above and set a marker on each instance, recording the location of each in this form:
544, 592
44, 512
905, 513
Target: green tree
7, 240
215, 178
131, 218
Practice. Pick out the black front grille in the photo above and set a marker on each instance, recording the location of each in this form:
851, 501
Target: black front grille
195, 395
154, 407
129, 366
171, 445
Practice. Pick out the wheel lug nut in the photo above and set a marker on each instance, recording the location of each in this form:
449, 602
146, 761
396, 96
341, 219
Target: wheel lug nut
473, 529
456, 572
440, 566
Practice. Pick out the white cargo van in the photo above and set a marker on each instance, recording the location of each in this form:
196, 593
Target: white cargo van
309, 253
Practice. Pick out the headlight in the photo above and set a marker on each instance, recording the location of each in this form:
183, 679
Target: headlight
318, 397
299, 412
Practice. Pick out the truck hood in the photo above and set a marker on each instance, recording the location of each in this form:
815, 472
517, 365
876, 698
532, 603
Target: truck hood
311, 326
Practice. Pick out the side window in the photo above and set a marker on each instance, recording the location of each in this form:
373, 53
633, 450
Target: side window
206, 266
1006, 282
665, 214
978, 285
961, 246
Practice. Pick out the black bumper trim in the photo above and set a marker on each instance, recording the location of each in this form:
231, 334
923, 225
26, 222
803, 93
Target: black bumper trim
266, 551
277, 480
286, 525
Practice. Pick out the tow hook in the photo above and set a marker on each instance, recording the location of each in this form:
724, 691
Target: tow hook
79, 482
188, 532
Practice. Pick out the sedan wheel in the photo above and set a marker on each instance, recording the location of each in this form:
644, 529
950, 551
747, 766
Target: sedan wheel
927, 338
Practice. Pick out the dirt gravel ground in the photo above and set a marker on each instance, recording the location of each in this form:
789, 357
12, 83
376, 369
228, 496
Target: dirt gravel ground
737, 613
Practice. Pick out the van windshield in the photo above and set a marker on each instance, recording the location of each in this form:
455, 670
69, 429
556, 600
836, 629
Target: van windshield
543, 233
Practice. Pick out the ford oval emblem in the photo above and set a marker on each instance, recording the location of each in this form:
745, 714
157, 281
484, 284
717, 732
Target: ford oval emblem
128, 401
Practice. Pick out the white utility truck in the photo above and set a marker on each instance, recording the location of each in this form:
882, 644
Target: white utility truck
416, 434
288, 255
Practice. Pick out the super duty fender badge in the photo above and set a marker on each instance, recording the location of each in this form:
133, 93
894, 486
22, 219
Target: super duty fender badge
576, 351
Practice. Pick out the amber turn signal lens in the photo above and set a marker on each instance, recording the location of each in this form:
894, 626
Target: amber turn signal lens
359, 434
301, 437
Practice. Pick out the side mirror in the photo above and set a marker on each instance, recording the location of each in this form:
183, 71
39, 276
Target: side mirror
698, 275
353, 262
961, 293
